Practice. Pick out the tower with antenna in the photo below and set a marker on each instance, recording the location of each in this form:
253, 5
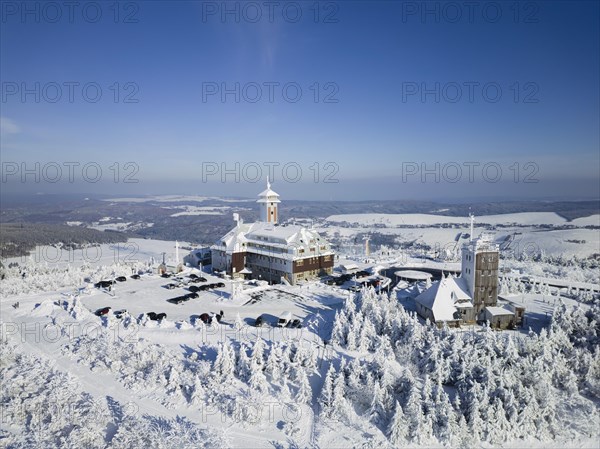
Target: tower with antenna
178, 265
367, 239
479, 268
162, 268
472, 220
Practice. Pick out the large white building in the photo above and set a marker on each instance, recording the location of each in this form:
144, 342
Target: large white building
270, 251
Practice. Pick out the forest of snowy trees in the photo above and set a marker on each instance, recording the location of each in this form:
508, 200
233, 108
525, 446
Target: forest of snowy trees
467, 387
408, 383
46, 407
34, 277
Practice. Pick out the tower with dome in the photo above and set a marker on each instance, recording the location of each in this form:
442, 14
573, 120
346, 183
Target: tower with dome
268, 201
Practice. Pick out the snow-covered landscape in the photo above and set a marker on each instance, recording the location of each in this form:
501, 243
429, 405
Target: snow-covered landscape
301, 224
363, 368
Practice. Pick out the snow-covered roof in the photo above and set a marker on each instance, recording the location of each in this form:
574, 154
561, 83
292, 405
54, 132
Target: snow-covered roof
485, 242
257, 235
349, 266
413, 275
232, 241
498, 311
268, 195
444, 297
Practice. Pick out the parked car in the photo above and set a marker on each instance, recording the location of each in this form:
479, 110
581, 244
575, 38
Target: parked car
161, 316
207, 318
192, 295
104, 284
121, 278
296, 324
179, 299
203, 288
193, 288
259, 321
193, 276
103, 311
171, 286
284, 319
135, 276
156, 316
120, 313
220, 285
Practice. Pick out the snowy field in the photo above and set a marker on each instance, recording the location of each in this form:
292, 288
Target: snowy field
175, 198
362, 371
202, 210
134, 250
523, 219
532, 232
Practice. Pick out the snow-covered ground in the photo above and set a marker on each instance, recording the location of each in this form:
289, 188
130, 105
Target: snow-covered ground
522, 218
531, 232
202, 210
384, 378
174, 198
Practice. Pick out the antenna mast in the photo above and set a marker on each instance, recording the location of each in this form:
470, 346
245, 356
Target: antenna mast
472, 218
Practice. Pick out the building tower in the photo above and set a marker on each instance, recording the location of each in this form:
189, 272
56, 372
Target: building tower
480, 258
268, 201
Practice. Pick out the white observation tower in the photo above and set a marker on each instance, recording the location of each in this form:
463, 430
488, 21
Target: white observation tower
268, 201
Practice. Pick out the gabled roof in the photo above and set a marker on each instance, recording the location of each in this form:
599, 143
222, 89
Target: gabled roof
278, 236
444, 297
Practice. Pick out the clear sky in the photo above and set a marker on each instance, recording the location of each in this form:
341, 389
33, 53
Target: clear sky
499, 94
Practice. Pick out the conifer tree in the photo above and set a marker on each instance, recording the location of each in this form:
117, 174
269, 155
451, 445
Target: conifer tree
398, 427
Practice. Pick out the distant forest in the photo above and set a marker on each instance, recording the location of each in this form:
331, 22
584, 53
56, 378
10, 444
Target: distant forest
19, 239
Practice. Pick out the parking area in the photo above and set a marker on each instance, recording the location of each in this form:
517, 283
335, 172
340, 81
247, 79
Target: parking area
179, 297
183, 298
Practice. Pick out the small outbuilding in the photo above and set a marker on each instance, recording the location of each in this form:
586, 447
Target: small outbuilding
499, 317
349, 268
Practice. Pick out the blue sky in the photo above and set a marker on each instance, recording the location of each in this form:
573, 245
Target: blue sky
545, 63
